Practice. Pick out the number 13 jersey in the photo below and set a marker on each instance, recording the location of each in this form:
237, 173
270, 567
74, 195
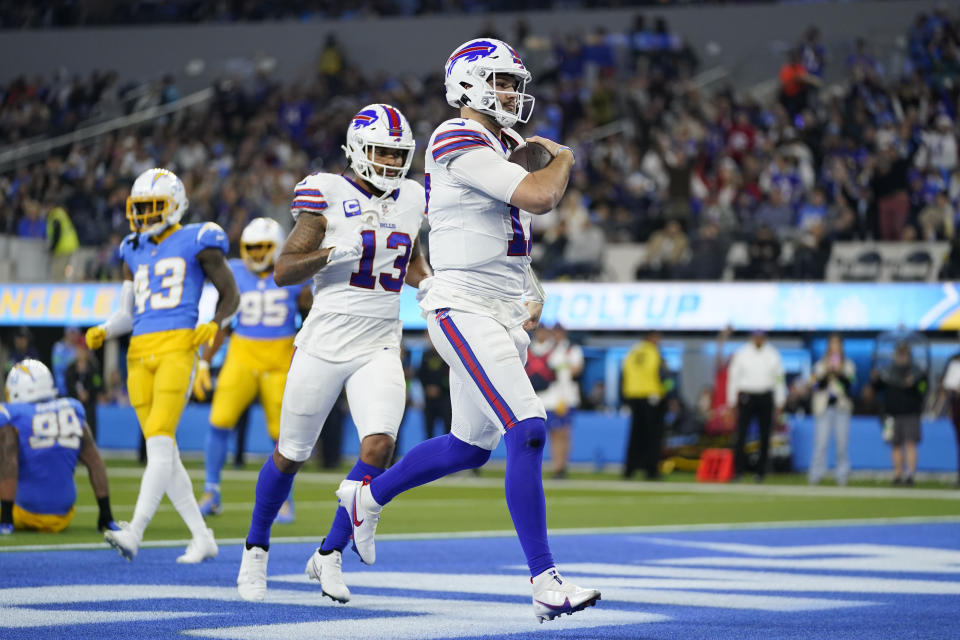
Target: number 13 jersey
356, 303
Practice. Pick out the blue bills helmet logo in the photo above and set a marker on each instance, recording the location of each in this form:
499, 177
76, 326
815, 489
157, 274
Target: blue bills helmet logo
365, 118
474, 51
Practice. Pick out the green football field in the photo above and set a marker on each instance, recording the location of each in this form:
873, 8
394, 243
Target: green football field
465, 503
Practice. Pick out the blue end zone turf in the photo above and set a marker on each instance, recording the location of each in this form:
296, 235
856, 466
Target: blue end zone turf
829, 583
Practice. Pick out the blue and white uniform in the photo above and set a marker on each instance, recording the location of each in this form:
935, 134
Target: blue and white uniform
351, 338
479, 250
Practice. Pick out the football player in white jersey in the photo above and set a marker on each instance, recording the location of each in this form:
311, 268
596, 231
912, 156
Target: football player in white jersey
478, 305
356, 236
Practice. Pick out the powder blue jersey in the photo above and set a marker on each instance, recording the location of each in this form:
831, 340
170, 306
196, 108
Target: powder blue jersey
266, 310
50, 433
168, 278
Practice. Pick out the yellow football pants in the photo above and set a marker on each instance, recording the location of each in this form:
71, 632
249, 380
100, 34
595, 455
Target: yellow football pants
159, 385
45, 522
252, 368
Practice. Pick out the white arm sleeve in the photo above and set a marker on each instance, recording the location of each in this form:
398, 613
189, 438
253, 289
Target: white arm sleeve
487, 171
121, 322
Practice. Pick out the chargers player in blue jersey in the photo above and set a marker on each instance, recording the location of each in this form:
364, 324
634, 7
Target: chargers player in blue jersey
41, 439
165, 265
261, 347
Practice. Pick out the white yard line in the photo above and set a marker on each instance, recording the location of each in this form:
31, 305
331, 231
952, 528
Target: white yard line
617, 486
510, 533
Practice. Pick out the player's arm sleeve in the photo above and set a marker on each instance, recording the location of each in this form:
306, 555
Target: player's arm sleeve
120, 321
307, 196
212, 236
487, 171
533, 290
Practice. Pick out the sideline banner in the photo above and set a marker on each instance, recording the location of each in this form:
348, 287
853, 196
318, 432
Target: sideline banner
668, 306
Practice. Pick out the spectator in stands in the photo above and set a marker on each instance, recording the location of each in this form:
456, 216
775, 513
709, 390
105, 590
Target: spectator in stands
763, 254
812, 53
833, 377
668, 250
812, 253
776, 215
85, 383
937, 219
888, 185
708, 254
62, 242
795, 83
757, 391
583, 251
904, 386
22, 349
32, 224
644, 388
434, 376
938, 149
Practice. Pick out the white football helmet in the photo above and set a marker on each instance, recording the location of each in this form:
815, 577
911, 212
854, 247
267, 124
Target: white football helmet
379, 125
157, 201
471, 76
260, 242
30, 381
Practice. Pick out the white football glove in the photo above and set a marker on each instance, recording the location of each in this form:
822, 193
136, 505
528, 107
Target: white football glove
347, 250
425, 285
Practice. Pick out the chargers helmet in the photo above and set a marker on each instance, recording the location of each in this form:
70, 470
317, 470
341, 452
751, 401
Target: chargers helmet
379, 125
157, 201
259, 244
470, 79
30, 381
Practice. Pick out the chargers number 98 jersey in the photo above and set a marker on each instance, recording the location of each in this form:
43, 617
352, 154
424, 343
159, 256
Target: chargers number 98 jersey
356, 303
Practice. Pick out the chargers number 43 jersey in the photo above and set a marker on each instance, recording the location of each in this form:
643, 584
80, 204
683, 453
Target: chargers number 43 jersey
356, 303
168, 278
266, 310
50, 435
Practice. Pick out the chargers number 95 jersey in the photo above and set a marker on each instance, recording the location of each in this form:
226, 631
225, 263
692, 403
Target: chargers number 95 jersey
266, 310
356, 303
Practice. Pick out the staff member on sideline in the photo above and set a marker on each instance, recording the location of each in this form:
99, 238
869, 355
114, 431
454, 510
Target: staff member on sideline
755, 386
833, 375
643, 390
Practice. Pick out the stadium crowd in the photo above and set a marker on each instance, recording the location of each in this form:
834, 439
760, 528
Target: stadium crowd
79, 13
660, 161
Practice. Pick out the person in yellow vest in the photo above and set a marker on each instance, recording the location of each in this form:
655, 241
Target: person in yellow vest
643, 389
62, 241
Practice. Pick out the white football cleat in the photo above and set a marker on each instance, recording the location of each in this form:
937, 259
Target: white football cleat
252, 579
352, 496
201, 548
326, 570
123, 540
554, 596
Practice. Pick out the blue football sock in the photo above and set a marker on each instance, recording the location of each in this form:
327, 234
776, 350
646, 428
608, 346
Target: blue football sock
341, 529
215, 455
273, 487
429, 460
524, 488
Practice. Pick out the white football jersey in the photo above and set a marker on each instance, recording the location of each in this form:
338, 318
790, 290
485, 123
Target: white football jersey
356, 303
479, 245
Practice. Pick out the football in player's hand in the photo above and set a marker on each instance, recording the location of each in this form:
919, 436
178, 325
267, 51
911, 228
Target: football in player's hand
532, 156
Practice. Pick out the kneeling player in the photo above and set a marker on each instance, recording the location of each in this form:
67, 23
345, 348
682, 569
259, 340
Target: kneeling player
41, 439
